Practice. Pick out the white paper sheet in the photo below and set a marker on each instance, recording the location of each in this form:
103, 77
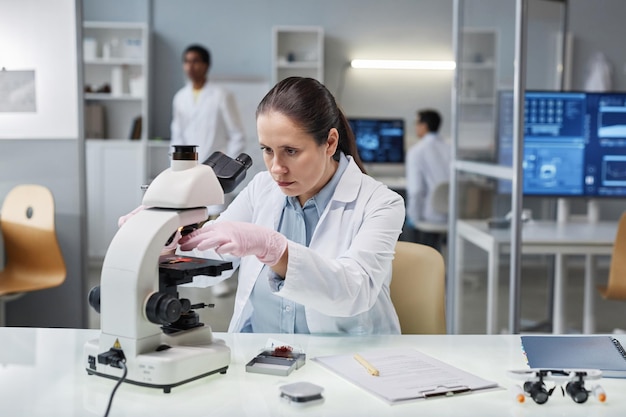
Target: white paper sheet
405, 374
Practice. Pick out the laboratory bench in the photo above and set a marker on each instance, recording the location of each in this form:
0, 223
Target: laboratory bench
42, 374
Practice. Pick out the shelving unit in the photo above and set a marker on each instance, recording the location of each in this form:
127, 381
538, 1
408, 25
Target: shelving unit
478, 84
297, 51
114, 54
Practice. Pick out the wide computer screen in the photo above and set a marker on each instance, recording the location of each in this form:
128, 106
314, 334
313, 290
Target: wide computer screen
573, 143
379, 140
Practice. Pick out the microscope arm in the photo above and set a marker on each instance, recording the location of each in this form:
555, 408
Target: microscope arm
130, 270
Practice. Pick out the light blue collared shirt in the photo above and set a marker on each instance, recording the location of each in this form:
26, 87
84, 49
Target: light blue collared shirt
272, 313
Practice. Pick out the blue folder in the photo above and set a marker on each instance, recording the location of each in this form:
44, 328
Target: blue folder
576, 352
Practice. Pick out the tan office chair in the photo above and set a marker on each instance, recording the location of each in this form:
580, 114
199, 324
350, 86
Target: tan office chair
418, 289
616, 286
33, 257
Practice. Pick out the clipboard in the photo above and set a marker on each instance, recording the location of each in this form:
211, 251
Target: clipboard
405, 375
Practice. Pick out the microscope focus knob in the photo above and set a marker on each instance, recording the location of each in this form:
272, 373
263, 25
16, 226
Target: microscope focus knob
94, 298
163, 308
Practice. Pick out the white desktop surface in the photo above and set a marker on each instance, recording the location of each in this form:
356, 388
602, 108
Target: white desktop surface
42, 374
539, 237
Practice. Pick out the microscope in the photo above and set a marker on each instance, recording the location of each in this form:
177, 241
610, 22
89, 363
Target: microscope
144, 323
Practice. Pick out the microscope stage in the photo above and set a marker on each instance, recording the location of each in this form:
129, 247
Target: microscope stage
186, 267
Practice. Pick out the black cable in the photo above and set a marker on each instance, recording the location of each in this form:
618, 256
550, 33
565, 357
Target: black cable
123, 366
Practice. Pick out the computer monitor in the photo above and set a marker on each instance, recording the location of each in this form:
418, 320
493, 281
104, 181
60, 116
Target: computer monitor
605, 151
573, 143
379, 141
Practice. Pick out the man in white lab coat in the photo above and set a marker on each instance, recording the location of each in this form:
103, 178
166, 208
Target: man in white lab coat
206, 115
427, 165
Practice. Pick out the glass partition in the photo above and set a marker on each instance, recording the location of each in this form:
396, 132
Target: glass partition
485, 233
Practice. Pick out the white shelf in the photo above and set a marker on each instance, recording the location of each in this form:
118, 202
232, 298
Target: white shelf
116, 141
477, 100
107, 96
159, 143
115, 25
477, 66
299, 65
477, 93
297, 51
118, 111
485, 169
116, 165
114, 61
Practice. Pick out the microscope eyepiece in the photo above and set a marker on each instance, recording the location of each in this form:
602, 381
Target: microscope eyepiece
185, 153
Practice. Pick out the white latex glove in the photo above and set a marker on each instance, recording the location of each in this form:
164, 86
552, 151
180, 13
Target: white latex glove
125, 218
238, 239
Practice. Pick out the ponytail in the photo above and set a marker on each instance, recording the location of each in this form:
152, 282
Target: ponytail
347, 141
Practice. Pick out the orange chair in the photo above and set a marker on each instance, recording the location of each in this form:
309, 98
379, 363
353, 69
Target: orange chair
418, 289
33, 257
616, 286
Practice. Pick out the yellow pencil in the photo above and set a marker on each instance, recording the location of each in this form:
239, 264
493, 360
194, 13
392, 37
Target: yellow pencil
370, 368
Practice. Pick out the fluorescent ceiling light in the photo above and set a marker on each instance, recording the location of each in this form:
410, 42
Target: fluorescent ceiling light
402, 64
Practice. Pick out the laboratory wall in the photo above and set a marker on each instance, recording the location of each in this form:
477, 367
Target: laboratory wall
239, 34
44, 146
598, 26
55, 164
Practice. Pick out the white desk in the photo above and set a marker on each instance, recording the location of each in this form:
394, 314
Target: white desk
42, 374
538, 237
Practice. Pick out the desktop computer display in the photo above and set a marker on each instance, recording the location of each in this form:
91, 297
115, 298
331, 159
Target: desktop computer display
605, 153
379, 141
574, 143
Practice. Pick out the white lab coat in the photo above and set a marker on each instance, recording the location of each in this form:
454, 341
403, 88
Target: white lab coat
212, 122
343, 277
427, 165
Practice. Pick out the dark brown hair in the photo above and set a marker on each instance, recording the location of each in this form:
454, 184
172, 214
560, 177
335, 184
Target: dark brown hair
308, 103
203, 53
431, 118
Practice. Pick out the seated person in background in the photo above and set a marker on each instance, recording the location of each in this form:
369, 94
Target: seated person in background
314, 235
427, 165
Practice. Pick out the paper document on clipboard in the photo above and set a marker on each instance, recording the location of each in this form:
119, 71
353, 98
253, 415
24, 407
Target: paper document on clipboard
404, 375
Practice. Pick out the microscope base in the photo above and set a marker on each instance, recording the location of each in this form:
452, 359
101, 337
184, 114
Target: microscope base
165, 369
166, 388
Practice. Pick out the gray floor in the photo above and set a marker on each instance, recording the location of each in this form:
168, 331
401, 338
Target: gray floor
610, 315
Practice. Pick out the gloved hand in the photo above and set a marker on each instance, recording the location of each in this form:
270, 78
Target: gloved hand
125, 218
238, 239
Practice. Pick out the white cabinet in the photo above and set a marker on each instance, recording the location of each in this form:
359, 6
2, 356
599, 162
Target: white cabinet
116, 76
297, 51
114, 179
477, 95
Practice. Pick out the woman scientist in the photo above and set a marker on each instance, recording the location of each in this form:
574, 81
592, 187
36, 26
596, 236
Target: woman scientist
322, 232
314, 234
